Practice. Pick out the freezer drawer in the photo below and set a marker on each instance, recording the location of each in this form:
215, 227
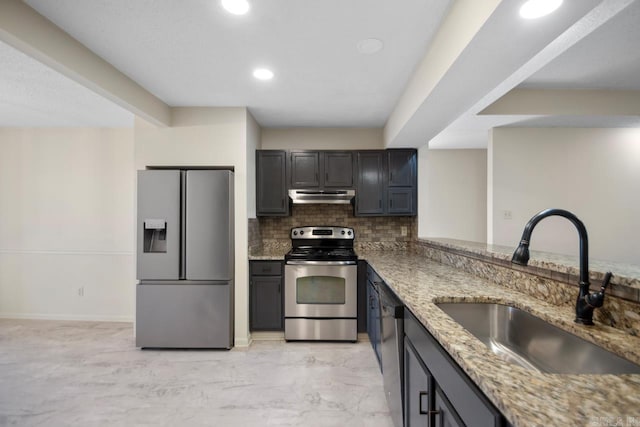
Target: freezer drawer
184, 315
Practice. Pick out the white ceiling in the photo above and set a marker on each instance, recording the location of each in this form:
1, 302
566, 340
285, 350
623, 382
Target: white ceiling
598, 51
32, 95
608, 58
193, 53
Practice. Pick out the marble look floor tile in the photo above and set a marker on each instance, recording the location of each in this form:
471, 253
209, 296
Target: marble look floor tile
56, 373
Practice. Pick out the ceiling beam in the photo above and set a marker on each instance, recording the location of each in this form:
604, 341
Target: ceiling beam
28, 31
566, 102
461, 24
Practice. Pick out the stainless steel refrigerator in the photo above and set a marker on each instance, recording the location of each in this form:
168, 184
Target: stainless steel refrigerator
185, 259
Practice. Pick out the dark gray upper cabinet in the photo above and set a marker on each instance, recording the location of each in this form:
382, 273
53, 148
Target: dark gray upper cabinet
402, 168
377, 194
401, 201
305, 169
338, 169
271, 183
370, 194
321, 169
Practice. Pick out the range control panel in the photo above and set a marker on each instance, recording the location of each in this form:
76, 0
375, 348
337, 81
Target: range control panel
322, 233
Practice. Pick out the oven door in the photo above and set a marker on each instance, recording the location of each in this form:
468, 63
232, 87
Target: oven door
327, 289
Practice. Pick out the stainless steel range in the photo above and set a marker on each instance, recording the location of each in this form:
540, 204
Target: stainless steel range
321, 285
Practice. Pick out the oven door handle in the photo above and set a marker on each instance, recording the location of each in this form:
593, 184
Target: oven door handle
294, 262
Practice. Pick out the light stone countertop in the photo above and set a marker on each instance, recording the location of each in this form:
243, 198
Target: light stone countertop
624, 274
524, 397
267, 255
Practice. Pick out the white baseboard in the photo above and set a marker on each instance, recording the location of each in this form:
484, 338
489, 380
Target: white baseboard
85, 318
241, 341
267, 336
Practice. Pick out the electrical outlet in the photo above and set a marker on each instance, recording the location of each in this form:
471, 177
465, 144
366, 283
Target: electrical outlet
81, 291
403, 230
507, 215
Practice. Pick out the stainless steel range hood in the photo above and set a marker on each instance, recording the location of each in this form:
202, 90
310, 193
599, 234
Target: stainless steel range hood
302, 196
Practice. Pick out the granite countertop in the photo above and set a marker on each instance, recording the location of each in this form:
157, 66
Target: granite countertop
524, 397
267, 255
624, 274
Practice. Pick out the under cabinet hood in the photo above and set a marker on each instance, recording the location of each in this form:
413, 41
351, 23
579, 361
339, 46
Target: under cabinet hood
301, 196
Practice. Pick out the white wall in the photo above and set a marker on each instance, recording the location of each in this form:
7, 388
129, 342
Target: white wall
322, 139
66, 197
594, 173
253, 142
452, 189
208, 137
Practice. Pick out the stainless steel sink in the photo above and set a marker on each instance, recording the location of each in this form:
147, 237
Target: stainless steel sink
521, 338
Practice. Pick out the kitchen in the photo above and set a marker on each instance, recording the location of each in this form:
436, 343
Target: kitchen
442, 173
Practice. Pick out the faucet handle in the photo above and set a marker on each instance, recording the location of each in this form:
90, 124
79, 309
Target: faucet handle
605, 281
596, 299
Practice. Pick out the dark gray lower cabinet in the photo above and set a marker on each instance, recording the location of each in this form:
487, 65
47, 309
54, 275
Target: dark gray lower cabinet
444, 415
437, 391
418, 389
266, 296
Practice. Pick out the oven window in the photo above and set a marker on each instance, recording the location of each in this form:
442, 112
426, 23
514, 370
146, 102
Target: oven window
320, 290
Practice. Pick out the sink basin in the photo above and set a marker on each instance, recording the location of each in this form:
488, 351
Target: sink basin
521, 338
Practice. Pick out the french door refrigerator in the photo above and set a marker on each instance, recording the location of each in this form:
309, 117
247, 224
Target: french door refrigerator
185, 259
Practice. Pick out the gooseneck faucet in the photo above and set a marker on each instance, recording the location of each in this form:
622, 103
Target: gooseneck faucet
586, 301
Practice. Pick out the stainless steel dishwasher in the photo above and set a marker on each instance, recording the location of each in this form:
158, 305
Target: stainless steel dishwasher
392, 334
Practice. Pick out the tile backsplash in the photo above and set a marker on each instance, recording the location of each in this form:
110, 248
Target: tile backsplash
390, 230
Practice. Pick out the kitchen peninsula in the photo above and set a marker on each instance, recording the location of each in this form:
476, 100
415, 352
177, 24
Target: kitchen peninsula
524, 397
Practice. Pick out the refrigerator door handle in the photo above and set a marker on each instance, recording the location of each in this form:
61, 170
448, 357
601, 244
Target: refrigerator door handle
183, 224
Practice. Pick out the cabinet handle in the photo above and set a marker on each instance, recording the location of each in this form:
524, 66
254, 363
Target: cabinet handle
316, 176
390, 176
282, 203
326, 176
391, 203
421, 395
380, 203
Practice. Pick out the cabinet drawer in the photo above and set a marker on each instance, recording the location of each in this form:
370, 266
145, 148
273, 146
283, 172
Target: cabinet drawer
266, 268
471, 405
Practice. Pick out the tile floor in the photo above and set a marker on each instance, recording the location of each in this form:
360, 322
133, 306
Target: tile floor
55, 373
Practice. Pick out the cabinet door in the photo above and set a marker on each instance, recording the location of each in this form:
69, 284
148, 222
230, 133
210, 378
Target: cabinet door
444, 414
401, 201
338, 169
266, 303
370, 183
305, 166
271, 184
402, 168
418, 389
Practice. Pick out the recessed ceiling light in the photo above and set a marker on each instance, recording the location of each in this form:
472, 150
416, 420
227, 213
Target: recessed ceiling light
263, 74
369, 46
237, 7
533, 9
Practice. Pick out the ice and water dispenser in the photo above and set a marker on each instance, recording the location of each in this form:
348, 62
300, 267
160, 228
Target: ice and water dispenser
155, 235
